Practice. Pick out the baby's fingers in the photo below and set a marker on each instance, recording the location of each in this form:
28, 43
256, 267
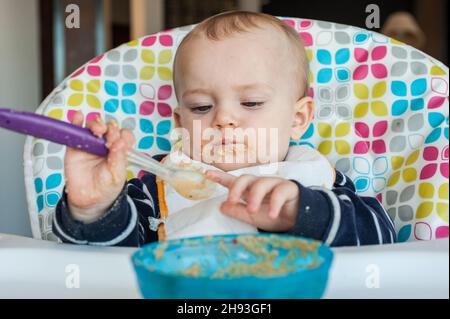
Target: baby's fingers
239, 187
220, 177
113, 133
258, 191
117, 160
117, 157
128, 138
238, 211
236, 185
97, 127
78, 118
117, 152
280, 195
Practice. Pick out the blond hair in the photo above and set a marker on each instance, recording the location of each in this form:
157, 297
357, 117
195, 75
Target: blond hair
226, 24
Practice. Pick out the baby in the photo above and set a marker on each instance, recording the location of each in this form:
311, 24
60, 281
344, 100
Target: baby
235, 72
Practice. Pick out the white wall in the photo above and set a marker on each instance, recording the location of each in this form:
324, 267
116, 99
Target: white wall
19, 89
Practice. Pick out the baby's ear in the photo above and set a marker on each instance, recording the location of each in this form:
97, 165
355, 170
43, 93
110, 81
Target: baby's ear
303, 114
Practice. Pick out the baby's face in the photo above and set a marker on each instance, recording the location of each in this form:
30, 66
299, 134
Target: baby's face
241, 84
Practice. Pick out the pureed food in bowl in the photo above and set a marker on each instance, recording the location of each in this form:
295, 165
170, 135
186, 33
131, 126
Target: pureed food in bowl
244, 266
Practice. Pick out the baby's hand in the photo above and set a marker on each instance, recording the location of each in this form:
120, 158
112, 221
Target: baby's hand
93, 182
271, 203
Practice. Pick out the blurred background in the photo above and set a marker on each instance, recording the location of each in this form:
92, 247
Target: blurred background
37, 51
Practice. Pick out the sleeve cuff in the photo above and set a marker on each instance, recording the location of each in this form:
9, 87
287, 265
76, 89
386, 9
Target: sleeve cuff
108, 227
314, 214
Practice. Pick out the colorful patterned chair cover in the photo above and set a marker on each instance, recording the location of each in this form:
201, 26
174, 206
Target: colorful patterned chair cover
382, 116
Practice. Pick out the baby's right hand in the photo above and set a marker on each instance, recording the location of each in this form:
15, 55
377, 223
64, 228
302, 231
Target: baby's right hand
93, 182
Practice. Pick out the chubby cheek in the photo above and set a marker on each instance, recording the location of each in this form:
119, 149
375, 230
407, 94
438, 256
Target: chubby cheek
274, 139
276, 146
284, 139
283, 147
192, 135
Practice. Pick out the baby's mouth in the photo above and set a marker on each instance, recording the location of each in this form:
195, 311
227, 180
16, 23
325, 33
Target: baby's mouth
229, 141
230, 148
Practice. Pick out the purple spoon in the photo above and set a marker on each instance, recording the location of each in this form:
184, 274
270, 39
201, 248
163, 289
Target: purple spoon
47, 128
190, 184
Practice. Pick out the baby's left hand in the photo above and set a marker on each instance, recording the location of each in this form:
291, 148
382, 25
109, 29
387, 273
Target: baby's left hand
271, 203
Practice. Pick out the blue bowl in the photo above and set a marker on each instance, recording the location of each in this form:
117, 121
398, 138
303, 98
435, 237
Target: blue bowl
233, 266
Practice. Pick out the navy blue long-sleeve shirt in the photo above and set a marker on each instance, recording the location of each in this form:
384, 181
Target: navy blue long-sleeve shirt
338, 217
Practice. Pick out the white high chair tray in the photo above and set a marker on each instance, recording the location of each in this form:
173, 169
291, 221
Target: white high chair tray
31, 268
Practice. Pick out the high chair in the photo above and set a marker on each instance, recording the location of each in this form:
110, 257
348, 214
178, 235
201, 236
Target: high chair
382, 117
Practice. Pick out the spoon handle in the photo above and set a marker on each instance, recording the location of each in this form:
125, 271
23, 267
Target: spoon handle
64, 133
53, 130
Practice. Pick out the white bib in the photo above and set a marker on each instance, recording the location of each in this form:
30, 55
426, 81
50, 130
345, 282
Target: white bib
188, 218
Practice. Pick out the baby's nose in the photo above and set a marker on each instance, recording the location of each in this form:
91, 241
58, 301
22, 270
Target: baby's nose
226, 125
224, 119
